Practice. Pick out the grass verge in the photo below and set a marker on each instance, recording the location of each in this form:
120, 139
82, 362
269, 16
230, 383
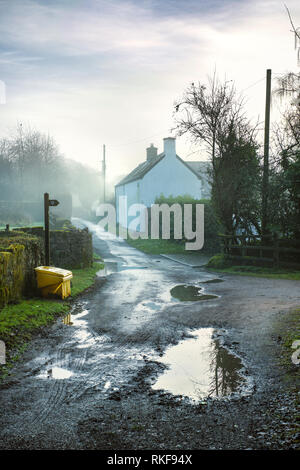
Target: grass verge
287, 331
221, 263
97, 257
84, 278
257, 271
19, 322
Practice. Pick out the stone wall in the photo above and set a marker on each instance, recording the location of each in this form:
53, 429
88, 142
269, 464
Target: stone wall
19, 255
71, 249
23, 250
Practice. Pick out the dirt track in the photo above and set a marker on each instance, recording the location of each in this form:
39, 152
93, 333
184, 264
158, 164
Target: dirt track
113, 350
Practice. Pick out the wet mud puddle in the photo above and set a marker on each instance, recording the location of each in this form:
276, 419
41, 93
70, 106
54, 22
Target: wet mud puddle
57, 373
115, 267
187, 293
200, 367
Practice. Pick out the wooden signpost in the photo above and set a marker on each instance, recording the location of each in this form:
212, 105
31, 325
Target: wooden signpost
48, 203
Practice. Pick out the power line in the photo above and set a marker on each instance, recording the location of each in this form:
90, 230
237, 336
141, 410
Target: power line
137, 141
168, 130
255, 83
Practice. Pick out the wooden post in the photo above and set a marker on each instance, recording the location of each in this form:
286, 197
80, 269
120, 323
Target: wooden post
47, 234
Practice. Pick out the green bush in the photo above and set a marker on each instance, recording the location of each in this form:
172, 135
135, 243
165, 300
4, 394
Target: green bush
219, 261
211, 226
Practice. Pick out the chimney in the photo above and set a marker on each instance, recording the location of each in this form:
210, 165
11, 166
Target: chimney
151, 152
170, 146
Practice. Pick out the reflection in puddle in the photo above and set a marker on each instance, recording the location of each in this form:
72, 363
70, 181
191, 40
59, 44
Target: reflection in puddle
70, 319
154, 306
107, 385
115, 267
67, 320
187, 293
200, 367
57, 373
83, 335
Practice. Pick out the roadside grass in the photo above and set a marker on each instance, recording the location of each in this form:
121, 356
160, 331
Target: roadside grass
84, 278
156, 247
287, 330
256, 271
19, 322
221, 263
97, 257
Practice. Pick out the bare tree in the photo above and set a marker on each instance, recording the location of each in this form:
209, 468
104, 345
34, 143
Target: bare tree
289, 84
213, 115
296, 32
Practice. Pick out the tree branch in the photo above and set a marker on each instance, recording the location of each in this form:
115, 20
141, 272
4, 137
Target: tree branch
292, 24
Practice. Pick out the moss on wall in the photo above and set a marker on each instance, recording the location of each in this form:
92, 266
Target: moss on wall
70, 248
12, 272
19, 255
23, 250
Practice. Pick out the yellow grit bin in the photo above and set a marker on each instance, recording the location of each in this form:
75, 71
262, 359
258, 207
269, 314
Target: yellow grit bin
54, 281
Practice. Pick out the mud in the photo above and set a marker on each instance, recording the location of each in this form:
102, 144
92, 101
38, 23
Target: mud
113, 348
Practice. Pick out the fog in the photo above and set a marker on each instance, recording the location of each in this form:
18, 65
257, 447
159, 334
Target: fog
32, 164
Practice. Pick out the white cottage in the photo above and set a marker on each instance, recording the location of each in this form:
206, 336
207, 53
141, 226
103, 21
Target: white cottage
164, 174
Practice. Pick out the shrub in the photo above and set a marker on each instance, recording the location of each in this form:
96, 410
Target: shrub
211, 225
219, 261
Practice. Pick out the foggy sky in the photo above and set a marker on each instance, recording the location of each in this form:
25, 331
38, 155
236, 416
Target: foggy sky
108, 72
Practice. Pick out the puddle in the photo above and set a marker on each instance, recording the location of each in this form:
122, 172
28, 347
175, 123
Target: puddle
57, 373
115, 267
67, 320
199, 367
154, 306
187, 293
107, 385
82, 334
70, 319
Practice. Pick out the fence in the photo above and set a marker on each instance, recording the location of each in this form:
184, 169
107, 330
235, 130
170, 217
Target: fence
270, 250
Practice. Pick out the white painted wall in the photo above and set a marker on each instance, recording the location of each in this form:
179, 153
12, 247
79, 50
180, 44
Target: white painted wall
132, 191
169, 177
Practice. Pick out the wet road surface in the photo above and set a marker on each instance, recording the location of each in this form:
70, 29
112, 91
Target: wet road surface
105, 377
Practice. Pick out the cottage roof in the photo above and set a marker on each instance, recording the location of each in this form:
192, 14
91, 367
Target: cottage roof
141, 170
198, 168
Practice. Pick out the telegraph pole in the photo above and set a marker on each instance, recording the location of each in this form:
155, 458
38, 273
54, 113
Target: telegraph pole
265, 183
103, 173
